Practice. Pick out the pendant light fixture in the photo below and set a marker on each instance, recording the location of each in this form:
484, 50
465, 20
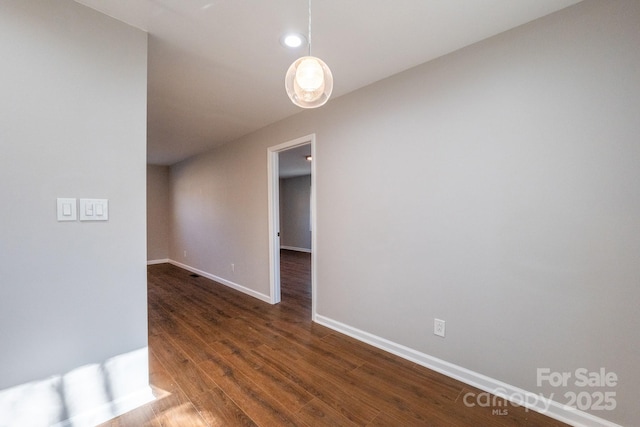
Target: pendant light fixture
309, 81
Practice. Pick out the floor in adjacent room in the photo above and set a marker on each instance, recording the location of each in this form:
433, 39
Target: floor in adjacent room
221, 358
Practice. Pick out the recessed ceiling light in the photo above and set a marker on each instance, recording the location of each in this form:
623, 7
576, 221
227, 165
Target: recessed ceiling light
293, 40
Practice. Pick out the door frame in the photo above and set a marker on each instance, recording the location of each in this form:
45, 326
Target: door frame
274, 216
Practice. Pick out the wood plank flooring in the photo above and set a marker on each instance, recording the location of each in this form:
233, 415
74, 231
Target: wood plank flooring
221, 358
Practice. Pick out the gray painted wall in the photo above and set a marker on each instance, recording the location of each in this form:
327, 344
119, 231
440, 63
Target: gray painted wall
158, 205
295, 197
495, 188
73, 124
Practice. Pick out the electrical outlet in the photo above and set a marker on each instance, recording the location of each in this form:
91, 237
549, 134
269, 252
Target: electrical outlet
233, 268
438, 327
185, 254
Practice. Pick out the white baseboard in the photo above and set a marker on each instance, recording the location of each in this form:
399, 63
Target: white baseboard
293, 248
514, 394
157, 261
225, 282
79, 398
109, 411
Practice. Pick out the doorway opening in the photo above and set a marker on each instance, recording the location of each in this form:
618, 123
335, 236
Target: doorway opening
289, 172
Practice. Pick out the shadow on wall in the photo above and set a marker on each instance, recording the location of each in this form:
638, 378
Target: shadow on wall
86, 396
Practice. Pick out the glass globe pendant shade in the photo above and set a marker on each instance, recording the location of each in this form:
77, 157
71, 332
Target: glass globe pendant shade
309, 82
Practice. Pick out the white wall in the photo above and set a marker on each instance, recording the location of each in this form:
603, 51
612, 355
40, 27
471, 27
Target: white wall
73, 124
495, 188
295, 222
217, 202
158, 208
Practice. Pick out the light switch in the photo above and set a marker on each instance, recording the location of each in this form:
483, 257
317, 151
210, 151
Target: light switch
67, 209
94, 210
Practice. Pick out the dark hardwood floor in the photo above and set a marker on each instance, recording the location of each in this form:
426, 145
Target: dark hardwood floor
221, 358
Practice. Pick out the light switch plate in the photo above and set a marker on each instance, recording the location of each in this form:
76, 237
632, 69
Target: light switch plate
94, 210
67, 209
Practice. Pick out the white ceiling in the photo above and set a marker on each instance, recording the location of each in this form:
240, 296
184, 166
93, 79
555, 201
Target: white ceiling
216, 67
293, 162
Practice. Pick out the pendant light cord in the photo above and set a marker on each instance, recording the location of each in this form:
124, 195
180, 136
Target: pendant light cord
309, 27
